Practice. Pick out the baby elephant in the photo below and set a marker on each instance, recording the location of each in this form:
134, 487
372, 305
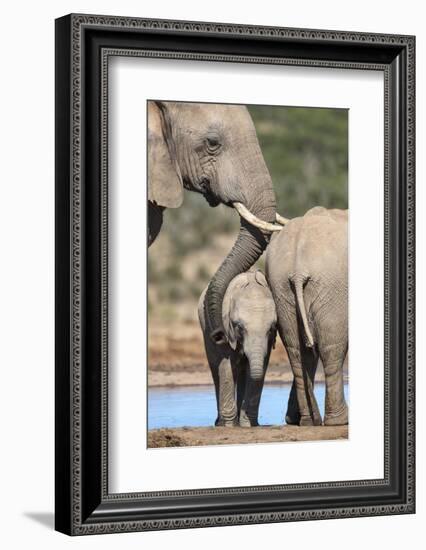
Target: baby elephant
238, 368
307, 269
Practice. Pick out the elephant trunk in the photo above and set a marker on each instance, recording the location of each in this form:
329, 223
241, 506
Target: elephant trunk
256, 356
247, 249
256, 369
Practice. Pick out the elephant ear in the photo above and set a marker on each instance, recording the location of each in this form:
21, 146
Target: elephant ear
164, 180
227, 308
232, 339
260, 278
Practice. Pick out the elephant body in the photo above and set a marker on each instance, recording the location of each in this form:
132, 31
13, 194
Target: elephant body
307, 270
211, 149
238, 368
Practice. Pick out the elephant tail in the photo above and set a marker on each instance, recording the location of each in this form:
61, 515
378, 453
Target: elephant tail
299, 282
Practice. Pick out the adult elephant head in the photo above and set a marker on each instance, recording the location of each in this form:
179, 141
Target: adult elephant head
211, 149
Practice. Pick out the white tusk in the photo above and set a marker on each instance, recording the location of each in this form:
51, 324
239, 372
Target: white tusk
281, 220
253, 220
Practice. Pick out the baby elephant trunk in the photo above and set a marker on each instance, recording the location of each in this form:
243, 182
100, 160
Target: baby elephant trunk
257, 358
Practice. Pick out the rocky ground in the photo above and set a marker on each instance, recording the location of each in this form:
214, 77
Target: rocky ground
194, 437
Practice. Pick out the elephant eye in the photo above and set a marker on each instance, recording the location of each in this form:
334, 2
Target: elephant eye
213, 143
238, 326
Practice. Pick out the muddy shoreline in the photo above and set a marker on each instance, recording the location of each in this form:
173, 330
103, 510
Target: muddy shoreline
170, 376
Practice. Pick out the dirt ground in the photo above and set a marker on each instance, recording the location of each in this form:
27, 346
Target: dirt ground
176, 357
195, 437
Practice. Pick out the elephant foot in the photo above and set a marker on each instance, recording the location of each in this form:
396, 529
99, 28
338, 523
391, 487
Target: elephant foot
292, 418
222, 423
307, 420
245, 422
337, 419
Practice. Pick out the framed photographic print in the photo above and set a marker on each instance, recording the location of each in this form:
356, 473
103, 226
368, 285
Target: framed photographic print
234, 205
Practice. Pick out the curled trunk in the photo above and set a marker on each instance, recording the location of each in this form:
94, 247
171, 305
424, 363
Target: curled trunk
247, 249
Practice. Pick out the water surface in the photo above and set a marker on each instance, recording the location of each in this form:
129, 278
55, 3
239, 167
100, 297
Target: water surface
174, 407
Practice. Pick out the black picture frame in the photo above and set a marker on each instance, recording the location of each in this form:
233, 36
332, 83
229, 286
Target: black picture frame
83, 504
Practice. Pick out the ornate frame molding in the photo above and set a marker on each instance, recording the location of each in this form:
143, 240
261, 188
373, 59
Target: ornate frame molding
76, 510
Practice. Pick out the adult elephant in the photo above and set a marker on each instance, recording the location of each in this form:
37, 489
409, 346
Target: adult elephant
307, 270
211, 149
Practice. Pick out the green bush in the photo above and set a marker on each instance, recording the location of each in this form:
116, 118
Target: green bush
306, 151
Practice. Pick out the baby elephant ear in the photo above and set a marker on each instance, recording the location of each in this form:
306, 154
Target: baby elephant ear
164, 180
227, 310
260, 278
232, 341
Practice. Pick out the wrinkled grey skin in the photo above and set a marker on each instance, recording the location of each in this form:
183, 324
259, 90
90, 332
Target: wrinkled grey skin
239, 368
211, 149
307, 270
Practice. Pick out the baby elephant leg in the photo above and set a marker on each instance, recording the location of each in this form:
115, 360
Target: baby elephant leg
249, 413
336, 410
241, 384
228, 415
222, 374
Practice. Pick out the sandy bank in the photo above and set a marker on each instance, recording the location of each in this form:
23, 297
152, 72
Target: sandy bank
194, 437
